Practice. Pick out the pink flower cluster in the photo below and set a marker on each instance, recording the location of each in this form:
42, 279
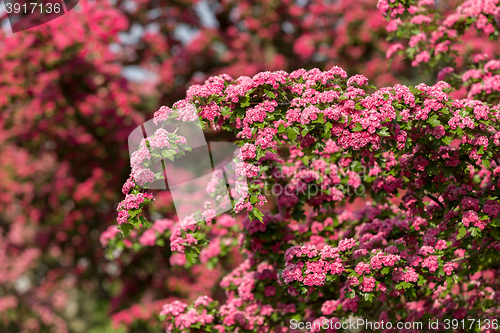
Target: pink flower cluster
132, 202
313, 273
178, 242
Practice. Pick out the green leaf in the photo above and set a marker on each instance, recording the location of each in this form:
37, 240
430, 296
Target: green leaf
269, 93
328, 127
357, 128
369, 297
421, 280
212, 263
461, 232
434, 120
321, 118
281, 128
134, 212
446, 140
484, 217
191, 257
125, 228
135, 222
145, 222
410, 293
253, 199
226, 111
245, 102
384, 131
256, 214
292, 135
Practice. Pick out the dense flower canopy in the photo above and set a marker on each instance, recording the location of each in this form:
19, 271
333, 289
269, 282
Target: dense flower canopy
427, 161
377, 203
71, 96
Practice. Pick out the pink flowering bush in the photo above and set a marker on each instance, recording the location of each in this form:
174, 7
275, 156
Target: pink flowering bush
67, 108
69, 101
455, 40
424, 242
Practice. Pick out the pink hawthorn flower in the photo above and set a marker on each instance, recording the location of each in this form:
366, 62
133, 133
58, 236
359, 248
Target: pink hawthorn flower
148, 238
431, 263
470, 217
248, 151
175, 308
421, 57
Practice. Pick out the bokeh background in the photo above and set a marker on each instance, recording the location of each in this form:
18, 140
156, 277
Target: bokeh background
72, 90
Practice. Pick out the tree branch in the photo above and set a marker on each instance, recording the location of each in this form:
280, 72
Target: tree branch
475, 253
435, 200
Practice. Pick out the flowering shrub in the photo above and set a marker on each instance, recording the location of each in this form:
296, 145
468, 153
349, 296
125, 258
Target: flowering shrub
67, 108
423, 244
67, 105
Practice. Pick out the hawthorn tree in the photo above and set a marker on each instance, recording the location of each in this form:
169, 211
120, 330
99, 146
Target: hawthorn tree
67, 107
424, 246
